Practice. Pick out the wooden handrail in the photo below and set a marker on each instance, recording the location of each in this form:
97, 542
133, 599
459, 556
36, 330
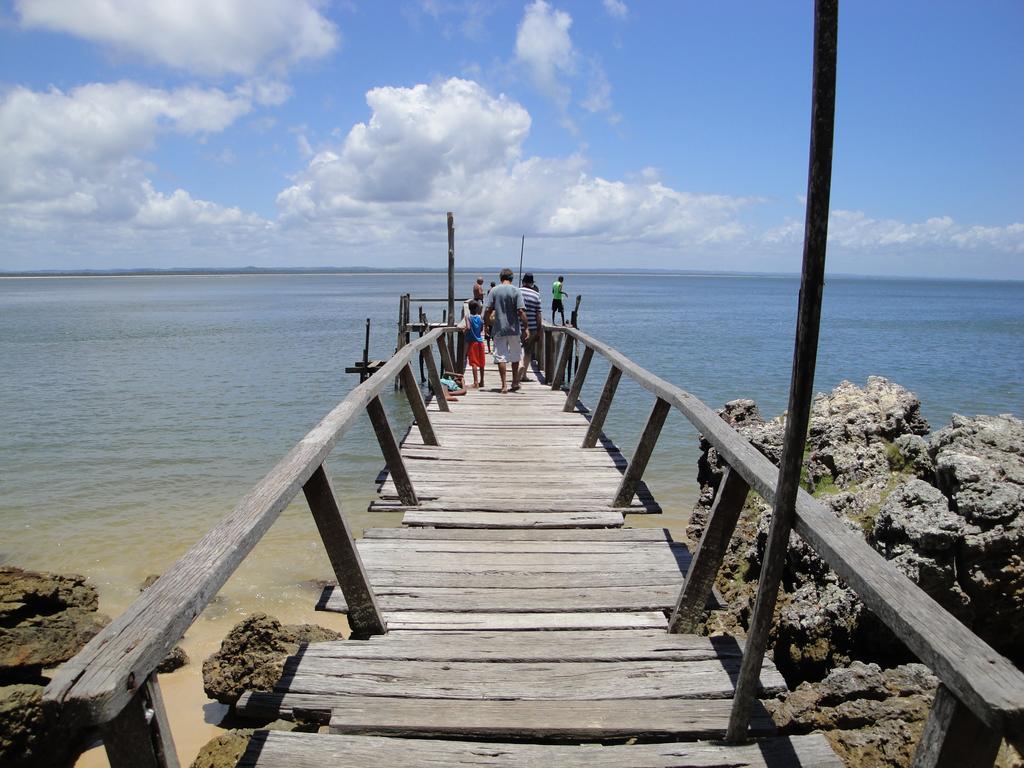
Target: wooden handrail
97, 684
986, 682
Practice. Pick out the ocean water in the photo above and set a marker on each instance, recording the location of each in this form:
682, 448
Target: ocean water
136, 411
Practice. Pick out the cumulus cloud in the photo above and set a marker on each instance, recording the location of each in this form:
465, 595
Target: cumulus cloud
554, 64
616, 9
208, 37
454, 146
76, 155
544, 47
855, 231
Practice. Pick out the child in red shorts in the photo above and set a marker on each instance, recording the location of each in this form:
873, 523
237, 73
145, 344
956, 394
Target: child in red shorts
475, 343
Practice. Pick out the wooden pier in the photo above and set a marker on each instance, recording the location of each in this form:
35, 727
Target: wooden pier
514, 618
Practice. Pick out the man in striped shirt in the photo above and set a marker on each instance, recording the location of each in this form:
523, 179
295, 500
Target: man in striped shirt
531, 301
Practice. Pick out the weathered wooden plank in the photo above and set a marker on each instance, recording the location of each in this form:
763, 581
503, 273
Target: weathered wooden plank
551, 647
652, 535
638, 507
645, 447
364, 615
392, 457
420, 620
707, 560
497, 600
538, 720
604, 404
498, 546
536, 680
953, 737
607, 518
524, 579
276, 749
643, 557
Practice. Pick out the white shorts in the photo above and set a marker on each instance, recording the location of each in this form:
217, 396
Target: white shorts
507, 349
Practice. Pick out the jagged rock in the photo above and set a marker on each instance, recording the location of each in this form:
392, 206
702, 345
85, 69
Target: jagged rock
45, 618
869, 715
980, 468
913, 456
176, 659
252, 656
24, 721
916, 517
815, 629
223, 751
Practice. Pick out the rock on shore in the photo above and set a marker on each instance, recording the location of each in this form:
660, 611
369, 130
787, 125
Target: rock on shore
947, 509
251, 658
45, 619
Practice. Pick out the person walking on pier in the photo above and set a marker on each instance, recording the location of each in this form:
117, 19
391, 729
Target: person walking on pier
487, 328
557, 294
534, 319
505, 313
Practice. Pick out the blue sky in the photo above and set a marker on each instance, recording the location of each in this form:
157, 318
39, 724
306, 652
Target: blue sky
612, 134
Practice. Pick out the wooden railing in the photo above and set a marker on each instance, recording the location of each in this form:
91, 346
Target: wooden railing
981, 695
112, 683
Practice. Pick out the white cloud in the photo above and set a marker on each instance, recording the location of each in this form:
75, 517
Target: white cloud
453, 146
543, 45
75, 156
208, 37
856, 232
616, 9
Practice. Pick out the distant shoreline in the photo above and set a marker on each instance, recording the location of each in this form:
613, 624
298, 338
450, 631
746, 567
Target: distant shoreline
397, 271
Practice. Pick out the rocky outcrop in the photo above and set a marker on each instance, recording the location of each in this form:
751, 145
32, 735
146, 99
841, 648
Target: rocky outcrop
45, 618
225, 750
945, 509
870, 716
251, 657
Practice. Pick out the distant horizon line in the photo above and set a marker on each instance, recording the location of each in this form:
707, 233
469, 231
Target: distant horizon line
362, 270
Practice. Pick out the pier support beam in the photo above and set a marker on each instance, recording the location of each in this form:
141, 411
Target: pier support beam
392, 455
563, 362
577, 384
364, 616
419, 408
604, 404
427, 360
700, 577
953, 736
140, 736
642, 454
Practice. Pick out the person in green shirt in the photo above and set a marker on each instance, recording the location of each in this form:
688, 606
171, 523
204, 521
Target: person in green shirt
557, 294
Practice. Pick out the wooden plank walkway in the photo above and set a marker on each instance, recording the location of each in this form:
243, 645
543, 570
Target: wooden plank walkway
526, 625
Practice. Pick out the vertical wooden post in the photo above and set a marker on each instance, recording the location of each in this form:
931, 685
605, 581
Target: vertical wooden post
953, 736
419, 408
452, 352
577, 385
549, 355
140, 736
604, 404
801, 388
399, 342
363, 374
364, 616
563, 361
700, 578
638, 463
447, 364
427, 359
392, 455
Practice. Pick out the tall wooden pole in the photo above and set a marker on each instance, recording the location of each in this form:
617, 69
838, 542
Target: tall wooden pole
522, 247
801, 388
451, 280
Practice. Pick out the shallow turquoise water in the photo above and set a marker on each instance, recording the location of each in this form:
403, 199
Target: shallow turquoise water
135, 412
